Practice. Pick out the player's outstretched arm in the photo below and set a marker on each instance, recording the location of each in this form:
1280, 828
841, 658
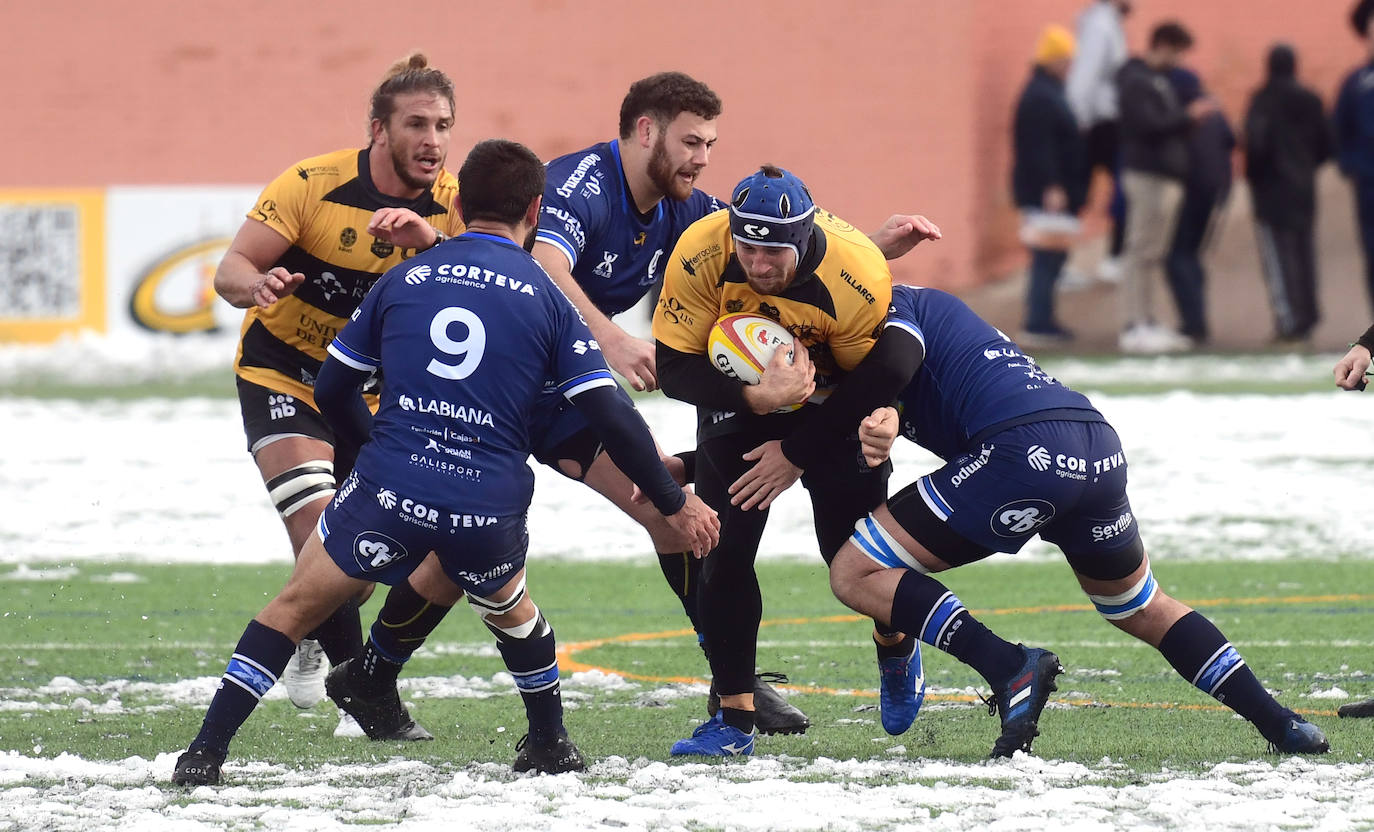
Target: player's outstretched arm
771, 474
903, 232
697, 522
1350, 370
246, 276
339, 397
877, 433
631, 357
631, 447
877, 381
404, 228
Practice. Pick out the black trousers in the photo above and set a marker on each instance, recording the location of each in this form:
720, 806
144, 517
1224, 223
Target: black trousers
1289, 263
842, 491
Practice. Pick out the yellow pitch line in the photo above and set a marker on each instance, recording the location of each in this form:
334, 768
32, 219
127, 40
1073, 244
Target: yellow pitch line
568, 663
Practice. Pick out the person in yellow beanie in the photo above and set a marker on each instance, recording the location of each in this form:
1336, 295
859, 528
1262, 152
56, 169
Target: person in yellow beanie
1049, 181
1055, 48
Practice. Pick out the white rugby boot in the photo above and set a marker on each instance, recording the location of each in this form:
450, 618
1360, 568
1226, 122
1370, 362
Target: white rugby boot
304, 676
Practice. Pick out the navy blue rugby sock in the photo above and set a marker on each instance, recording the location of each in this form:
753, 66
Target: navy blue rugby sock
533, 663
925, 608
404, 622
257, 662
1202, 655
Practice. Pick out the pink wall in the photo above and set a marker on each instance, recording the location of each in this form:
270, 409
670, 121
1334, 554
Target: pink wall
881, 106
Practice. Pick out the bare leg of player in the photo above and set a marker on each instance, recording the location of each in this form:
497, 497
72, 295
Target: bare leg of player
298, 472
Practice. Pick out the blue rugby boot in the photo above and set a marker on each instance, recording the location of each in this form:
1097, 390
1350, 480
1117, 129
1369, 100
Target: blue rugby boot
1299, 737
901, 689
713, 738
1021, 699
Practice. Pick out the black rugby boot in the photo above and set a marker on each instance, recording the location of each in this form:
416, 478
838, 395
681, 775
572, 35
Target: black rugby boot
381, 716
554, 757
198, 767
772, 713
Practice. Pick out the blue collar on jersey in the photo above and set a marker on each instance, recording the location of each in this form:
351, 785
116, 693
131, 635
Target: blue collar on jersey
492, 237
625, 188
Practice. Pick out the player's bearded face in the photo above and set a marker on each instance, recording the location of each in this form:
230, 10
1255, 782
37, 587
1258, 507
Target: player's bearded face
768, 269
680, 153
665, 175
417, 136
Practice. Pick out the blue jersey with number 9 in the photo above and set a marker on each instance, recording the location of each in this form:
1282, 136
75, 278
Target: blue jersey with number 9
466, 335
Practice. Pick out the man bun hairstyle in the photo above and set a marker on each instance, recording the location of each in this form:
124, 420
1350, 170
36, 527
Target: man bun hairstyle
410, 74
663, 97
498, 180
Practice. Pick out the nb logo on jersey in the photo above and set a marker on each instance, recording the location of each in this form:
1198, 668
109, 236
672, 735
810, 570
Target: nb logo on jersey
386, 498
280, 407
374, 550
607, 263
580, 347
755, 230
1021, 517
1038, 457
417, 274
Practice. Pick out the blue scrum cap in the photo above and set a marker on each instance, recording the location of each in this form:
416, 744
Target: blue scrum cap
772, 208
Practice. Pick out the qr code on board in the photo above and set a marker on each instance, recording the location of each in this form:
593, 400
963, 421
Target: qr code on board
40, 264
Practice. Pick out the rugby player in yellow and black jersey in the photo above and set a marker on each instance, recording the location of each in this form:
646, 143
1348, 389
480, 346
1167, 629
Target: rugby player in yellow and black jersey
320, 235
771, 253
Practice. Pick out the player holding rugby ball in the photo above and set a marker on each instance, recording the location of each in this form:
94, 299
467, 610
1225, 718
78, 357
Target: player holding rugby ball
773, 254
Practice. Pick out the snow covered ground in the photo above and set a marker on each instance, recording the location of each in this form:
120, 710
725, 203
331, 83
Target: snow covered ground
90, 484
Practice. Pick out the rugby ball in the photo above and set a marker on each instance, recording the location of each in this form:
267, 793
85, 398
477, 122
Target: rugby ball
741, 345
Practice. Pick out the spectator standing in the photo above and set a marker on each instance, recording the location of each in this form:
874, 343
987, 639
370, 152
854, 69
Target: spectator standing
1286, 140
1354, 135
1154, 159
1091, 89
1205, 190
1049, 180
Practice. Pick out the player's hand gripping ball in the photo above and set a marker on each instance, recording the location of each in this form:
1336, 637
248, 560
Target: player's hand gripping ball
741, 345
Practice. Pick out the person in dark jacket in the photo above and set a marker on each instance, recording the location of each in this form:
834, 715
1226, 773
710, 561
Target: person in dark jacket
1286, 140
1048, 180
1208, 184
1354, 133
1154, 158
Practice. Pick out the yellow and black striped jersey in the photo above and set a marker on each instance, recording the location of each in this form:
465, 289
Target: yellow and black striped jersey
322, 206
835, 307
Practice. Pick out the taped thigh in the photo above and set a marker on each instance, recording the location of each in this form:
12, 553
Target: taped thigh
876, 542
295, 488
487, 609
1128, 603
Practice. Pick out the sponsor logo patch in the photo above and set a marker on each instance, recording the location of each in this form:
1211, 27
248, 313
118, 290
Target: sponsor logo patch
1021, 517
374, 550
1038, 457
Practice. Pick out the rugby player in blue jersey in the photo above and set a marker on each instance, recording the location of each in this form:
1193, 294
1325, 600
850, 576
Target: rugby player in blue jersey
612, 214
1024, 455
467, 336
